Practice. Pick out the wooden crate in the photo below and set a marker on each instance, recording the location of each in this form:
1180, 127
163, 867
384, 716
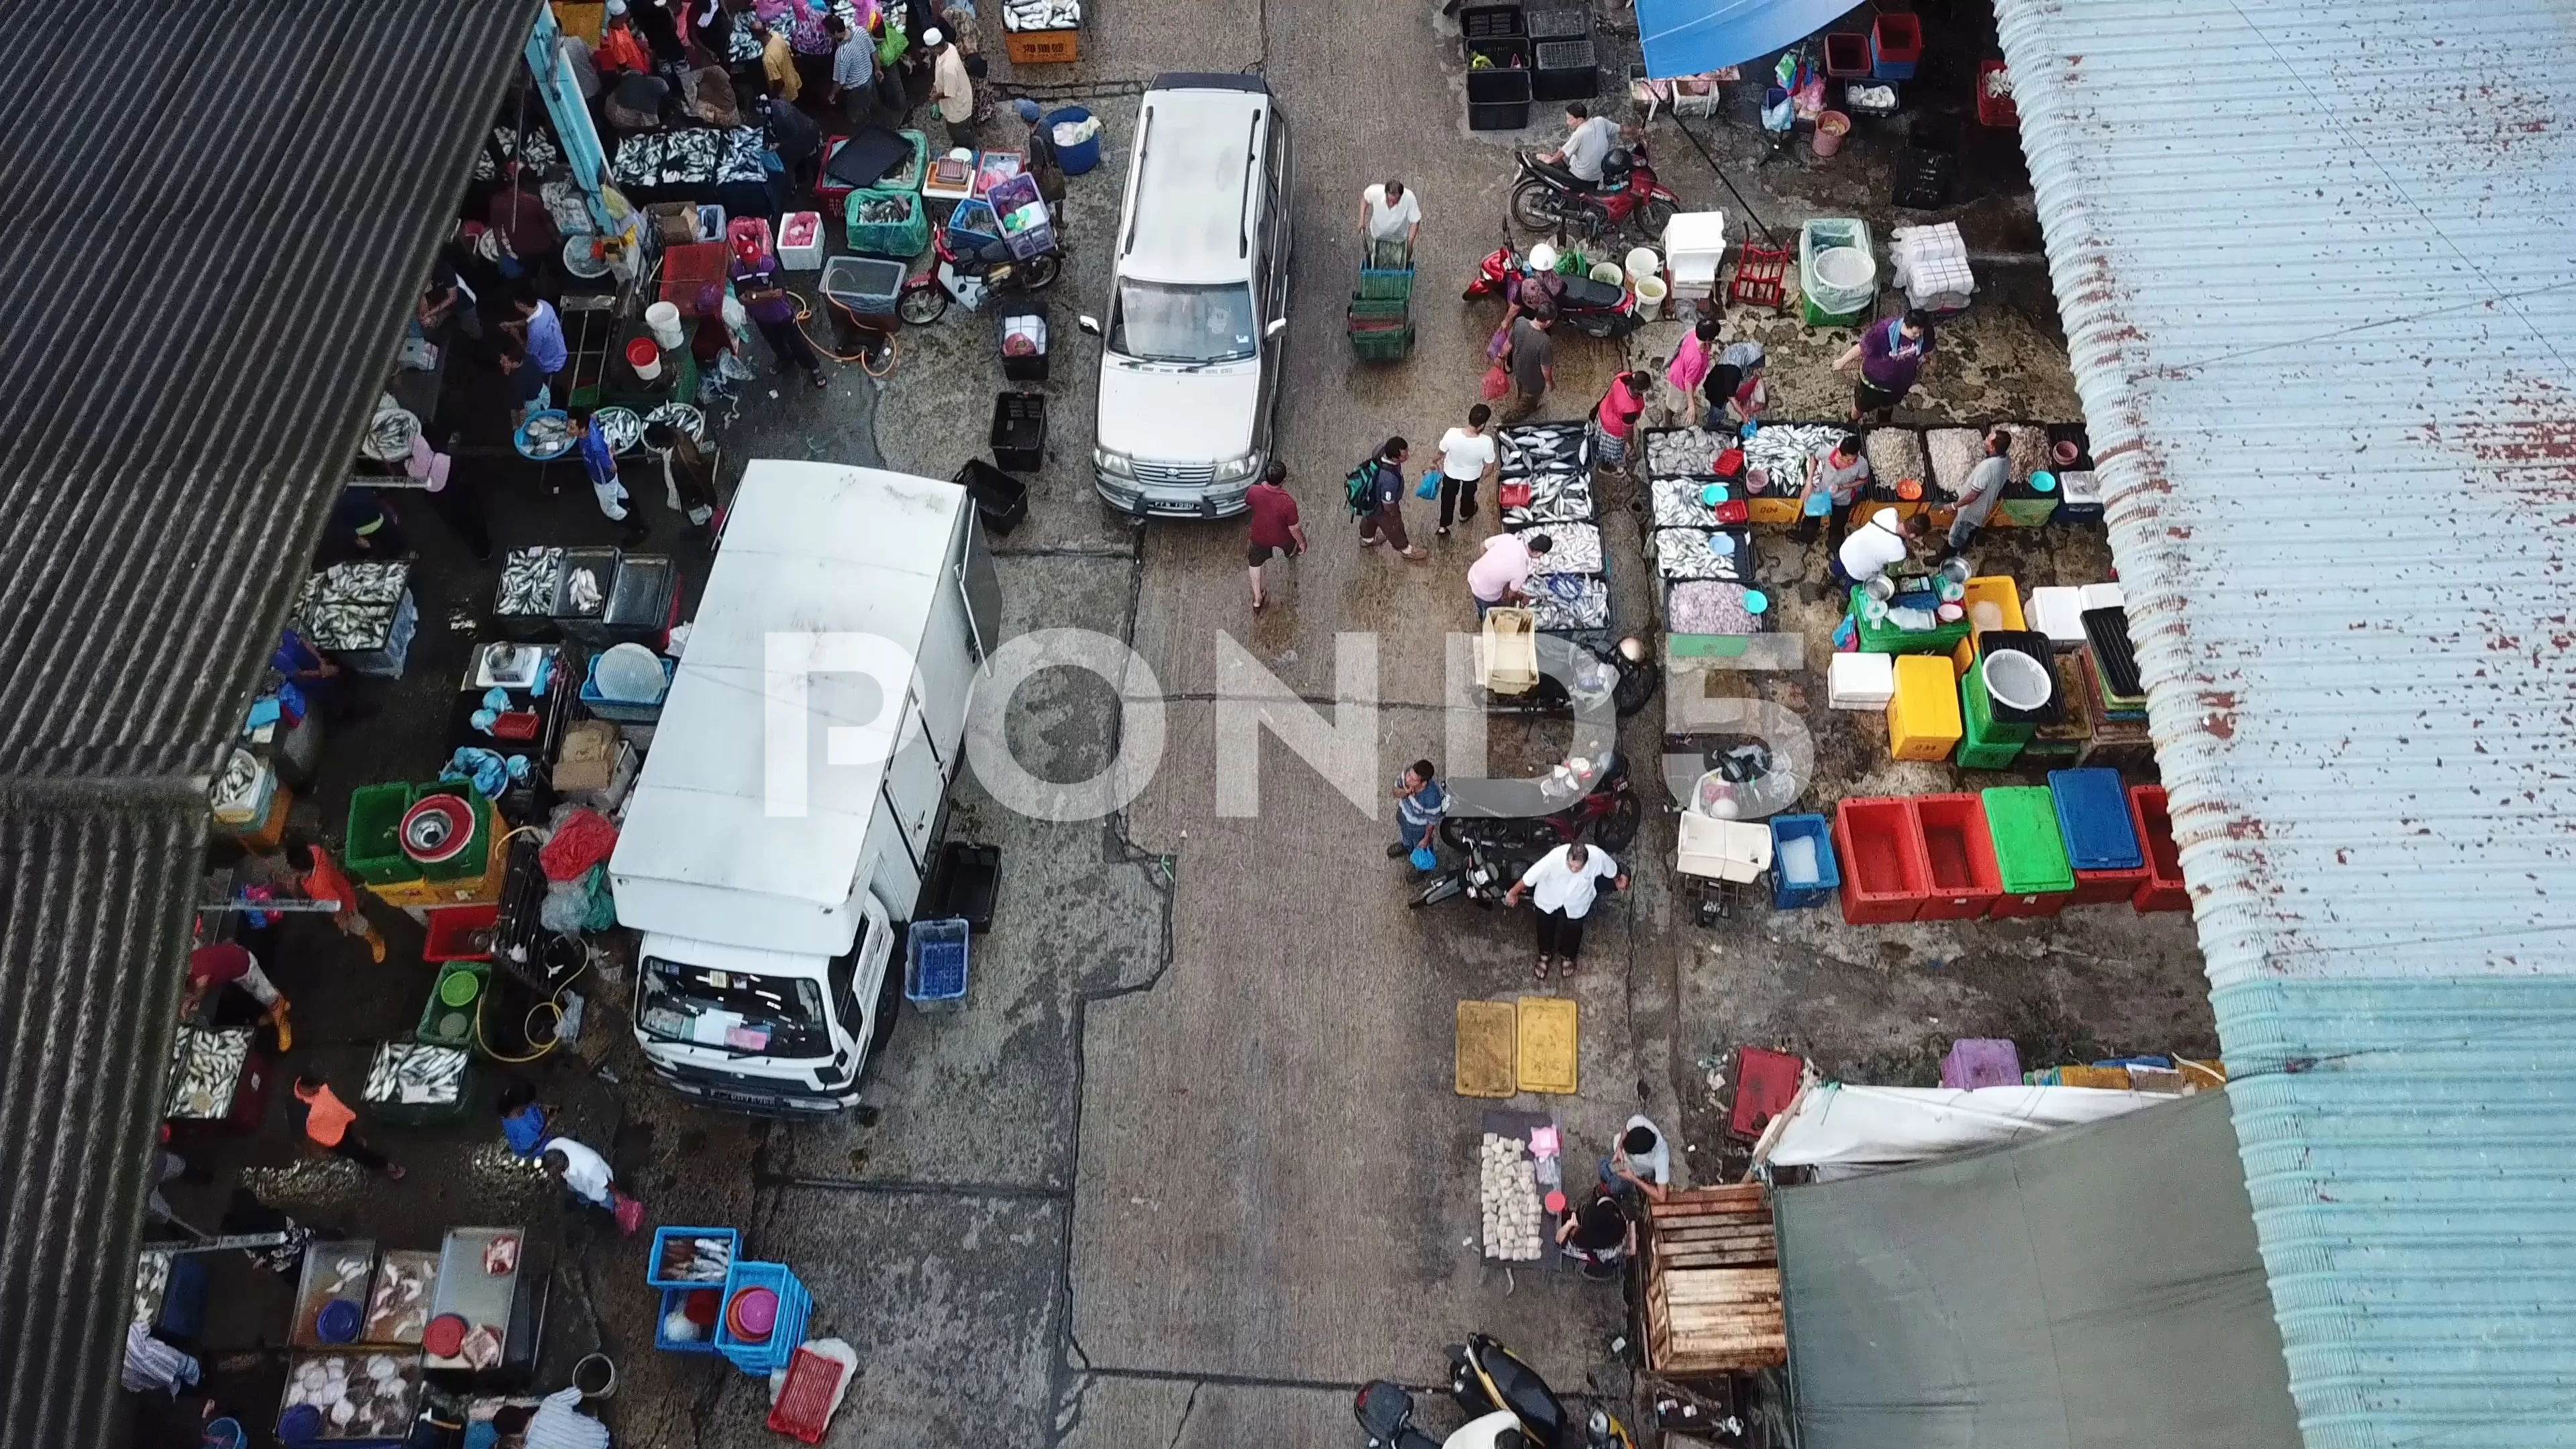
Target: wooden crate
1041, 47
1712, 1294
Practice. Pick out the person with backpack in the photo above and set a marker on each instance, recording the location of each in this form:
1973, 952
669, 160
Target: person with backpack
1375, 493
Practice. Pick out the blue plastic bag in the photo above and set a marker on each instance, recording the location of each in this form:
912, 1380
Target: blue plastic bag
1423, 858
1429, 487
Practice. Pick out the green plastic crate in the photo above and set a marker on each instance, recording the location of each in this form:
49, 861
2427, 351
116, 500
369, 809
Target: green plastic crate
1977, 708
1979, 749
2030, 853
469, 863
1824, 233
373, 853
1884, 639
453, 1026
1381, 344
1386, 283
904, 239
1368, 308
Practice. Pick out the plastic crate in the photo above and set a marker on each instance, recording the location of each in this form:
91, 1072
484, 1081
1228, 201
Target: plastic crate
1569, 23
2002, 592
1884, 877
965, 882
373, 851
2001, 112
1982, 745
812, 1390
2163, 889
1382, 344
1042, 47
1001, 501
2030, 853
693, 278
1887, 639
934, 963
1018, 435
1960, 856
2093, 818
652, 1265
1895, 46
601, 707
1829, 877
1384, 284
436, 1027
905, 238
1498, 100
766, 1355
673, 1300
1498, 52
1859, 100
1923, 180
1923, 715
1846, 54
460, 933
868, 286
1826, 233
1565, 70
1476, 22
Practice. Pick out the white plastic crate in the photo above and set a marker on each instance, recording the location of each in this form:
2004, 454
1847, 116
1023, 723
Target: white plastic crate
1695, 241
2057, 612
806, 254
2104, 596
1860, 681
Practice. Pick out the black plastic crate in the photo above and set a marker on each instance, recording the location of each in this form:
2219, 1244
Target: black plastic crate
2107, 630
964, 883
1567, 70
1019, 431
1001, 500
2035, 645
1570, 23
1031, 368
1498, 100
1923, 180
1479, 21
1499, 52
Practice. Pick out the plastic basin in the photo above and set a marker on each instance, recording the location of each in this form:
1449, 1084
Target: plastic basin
2017, 680
1845, 267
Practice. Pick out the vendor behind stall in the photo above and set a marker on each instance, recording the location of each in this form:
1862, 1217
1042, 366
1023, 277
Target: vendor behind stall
212, 968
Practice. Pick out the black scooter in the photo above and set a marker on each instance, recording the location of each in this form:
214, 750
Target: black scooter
1508, 1407
1482, 874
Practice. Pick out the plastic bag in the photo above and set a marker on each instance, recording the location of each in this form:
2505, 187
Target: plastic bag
1497, 382
1429, 488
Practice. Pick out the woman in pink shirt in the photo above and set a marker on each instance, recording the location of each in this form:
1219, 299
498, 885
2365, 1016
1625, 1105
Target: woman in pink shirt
1689, 369
1620, 408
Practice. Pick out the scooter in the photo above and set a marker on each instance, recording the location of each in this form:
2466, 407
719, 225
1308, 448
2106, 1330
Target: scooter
969, 274
1547, 197
1486, 1379
1595, 309
1385, 1410
1481, 875
1535, 816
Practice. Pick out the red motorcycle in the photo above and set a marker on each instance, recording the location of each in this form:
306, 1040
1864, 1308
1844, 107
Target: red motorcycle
1595, 309
1547, 197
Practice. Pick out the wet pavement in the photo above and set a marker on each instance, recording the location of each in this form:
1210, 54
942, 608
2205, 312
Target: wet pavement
1188, 1167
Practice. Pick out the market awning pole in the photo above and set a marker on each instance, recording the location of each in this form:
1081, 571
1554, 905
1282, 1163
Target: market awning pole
1767, 238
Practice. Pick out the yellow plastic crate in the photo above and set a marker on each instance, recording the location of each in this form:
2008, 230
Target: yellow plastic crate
1998, 590
1487, 1033
1923, 718
1547, 1044
1772, 512
481, 890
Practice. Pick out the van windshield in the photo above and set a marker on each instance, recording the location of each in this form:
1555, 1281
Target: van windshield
733, 1011
1162, 322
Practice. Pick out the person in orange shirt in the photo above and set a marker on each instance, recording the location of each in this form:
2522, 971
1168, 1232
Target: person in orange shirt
327, 1121
326, 883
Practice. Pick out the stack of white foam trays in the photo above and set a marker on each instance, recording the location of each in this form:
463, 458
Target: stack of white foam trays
1510, 1200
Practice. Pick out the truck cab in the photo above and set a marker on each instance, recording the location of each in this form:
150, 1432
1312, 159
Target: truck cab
764, 1031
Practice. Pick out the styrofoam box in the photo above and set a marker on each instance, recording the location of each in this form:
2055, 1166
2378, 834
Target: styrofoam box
1695, 238
805, 256
1699, 269
1861, 681
2104, 596
2057, 612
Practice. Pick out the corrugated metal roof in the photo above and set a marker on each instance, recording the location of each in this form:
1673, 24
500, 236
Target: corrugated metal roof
216, 214
2317, 266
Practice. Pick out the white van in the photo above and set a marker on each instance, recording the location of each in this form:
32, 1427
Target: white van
1189, 367
767, 971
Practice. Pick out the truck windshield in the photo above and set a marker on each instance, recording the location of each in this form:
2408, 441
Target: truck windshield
1159, 322
733, 1011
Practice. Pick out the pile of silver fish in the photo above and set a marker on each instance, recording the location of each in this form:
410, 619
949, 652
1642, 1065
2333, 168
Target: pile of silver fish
1784, 448
1573, 548
529, 577
547, 435
1554, 498
1561, 602
1690, 553
350, 606
205, 1067
582, 595
1041, 14
1953, 451
410, 1072
1699, 606
681, 416
618, 427
1677, 505
1544, 448
398, 1306
1894, 454
360, 1395
1684, 452
883, 210
695, 1260
234, 784
389, 434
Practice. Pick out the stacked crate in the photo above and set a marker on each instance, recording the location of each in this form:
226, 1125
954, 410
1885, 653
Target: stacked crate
1712, 1283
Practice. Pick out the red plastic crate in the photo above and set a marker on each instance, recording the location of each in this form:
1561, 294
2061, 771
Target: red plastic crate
1885, 878
2107, 887
1846, 53
451, 931
2047, 903
1766, 1082
1897, 39
1960, 856
1999, 111
2163, 889
1761, 277
693, 278
827, 190
804, 1407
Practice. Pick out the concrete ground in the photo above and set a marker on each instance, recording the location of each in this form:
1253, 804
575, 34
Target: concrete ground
1189, 1168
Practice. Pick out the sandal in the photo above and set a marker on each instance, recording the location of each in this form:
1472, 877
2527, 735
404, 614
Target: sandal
1565, 968
1416, 554
1542, 968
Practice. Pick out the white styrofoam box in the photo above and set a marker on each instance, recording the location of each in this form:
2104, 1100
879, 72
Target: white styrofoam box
805, 256
1860, 681
2080, 487
1701, 269
2057, 612
2104, 596
1693, 235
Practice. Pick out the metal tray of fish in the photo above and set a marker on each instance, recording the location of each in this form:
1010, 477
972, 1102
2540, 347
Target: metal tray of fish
620, 428
1575, 548
360, 1394
1676, 503
573, 598
682, 416
398, 1304
1543, 447
416, 1074
1561, 602
1041, 14
331, 1271
1704, 606
530, 578
1554, 498
1691, 553
1684, 452
1784, 448
205, 1069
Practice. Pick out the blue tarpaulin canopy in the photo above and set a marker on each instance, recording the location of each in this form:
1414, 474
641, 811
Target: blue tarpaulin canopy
1686, 37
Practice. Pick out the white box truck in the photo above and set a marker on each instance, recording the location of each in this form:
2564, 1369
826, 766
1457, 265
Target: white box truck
791, 804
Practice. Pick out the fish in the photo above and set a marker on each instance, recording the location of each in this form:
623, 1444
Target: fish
1574, 548
681, 416
1691, 553
1554, 498
618, 427
529, 578
205, 1068
1783, 450
1561, 602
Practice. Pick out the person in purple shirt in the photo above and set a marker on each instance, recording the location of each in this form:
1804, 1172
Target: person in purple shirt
600, 462
1891, 356
766, 303
541, 332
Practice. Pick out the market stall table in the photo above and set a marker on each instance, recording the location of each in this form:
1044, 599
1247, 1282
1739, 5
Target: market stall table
334, 1273
494, 1299
349, 1397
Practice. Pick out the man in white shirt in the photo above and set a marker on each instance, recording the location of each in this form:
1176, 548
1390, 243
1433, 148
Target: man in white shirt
1641, 1161
1390, 214
1467, 457
1873, 550
1562, 886
951, 89
584, 1173
1501, 573
1588, 143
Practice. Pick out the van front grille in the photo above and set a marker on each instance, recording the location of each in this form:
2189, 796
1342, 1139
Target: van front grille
1185, 475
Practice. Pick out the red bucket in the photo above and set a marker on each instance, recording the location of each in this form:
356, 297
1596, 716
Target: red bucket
643, 353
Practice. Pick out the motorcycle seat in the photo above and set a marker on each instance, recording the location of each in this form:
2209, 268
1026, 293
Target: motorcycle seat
1586, 295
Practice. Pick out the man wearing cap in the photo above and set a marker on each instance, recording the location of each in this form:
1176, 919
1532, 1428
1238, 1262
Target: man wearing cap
951, 89
1874, 549
766, 303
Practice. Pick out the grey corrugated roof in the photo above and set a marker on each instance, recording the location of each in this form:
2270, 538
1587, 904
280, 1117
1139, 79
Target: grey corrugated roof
2317, 266
216, 213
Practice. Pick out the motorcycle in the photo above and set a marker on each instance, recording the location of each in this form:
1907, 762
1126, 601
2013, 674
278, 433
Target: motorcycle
1546, 198
970, 274
1536, 816
1595, 309
1508, 1406
1481, 875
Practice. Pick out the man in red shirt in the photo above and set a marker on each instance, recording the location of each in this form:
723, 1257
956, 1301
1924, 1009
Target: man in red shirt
210, 967
1274, 526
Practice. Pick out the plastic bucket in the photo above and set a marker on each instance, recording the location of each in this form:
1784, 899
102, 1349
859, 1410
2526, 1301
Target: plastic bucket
596, 1376
2017, 680
1847, 269
1650, 295
223, 1433
1608, 274
664, 320
1831, 127
1642, 263
1076, 159
459, 988
644, 357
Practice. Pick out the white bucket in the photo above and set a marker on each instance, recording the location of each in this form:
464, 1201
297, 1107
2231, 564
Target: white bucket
664, 320
1608, 272
1642, 262
2017, 680
646, 371
1650, 296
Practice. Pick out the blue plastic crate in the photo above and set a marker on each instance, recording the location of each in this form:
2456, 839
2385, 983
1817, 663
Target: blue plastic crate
601, 707
2093, 815
1829, 876
653, 1264
672, 1298
934, 967
795, 1305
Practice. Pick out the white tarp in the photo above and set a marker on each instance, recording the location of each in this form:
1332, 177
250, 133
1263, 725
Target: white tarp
1830, 1124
